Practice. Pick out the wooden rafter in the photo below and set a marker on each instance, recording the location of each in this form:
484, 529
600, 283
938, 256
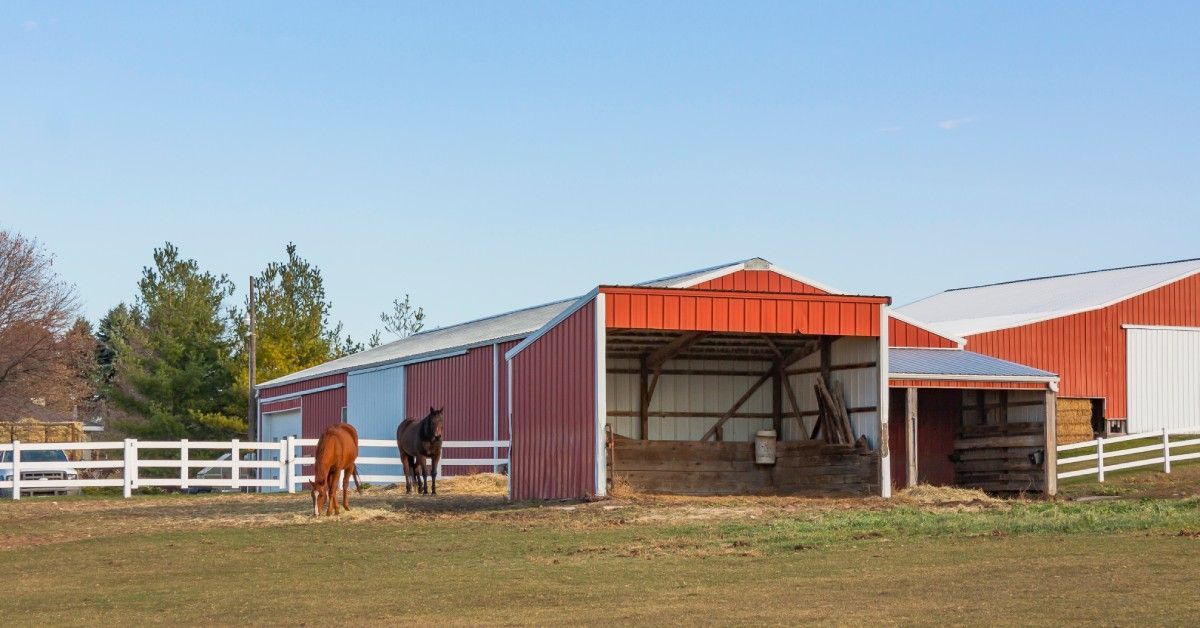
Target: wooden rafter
797, 354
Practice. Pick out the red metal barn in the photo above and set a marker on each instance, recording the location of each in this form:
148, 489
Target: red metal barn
1126, 339
665, 385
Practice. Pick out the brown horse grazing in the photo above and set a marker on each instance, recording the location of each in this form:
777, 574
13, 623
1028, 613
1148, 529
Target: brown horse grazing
417, 441
337, 449
353, 434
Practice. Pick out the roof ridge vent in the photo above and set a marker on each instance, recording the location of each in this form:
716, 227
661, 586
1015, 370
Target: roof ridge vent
757, 263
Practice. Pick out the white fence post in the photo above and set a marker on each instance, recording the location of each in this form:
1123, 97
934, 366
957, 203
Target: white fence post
282, 463
291, 464
16, 470
1166, 451
183, 464
130, 475
1100, 459
235, 472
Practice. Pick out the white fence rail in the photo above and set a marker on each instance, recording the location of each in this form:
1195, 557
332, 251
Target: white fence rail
1160, 443
280, 466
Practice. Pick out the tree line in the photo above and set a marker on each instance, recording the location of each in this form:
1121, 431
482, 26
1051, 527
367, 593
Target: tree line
172, 361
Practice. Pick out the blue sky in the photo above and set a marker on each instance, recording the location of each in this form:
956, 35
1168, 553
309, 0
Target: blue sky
488, 156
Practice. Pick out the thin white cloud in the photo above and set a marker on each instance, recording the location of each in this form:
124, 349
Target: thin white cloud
954, 123
29, 26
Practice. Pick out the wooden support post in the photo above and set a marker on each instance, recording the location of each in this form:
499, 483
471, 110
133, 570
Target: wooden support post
1051, 456
826, 358
643, 400
796, 411
777, 400
910, 436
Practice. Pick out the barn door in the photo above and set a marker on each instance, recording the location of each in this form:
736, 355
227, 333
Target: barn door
278, 425
1163, 370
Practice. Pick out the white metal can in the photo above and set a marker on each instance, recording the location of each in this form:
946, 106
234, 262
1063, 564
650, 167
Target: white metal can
764, 447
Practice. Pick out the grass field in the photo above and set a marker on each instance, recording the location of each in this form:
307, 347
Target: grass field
467, 557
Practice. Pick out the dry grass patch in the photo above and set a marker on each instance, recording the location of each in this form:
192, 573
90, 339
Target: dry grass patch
927, 496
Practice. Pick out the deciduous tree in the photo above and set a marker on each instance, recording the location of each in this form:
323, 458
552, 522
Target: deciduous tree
43, 343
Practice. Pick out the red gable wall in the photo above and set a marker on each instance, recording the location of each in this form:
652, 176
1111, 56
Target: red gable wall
758, 281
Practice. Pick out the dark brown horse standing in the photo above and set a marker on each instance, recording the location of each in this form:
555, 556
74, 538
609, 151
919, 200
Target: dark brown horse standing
337, 449
417, 442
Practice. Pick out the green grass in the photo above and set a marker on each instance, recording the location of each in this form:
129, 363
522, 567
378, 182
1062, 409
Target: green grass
226, 559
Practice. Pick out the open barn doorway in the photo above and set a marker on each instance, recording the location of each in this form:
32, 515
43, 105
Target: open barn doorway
685, 407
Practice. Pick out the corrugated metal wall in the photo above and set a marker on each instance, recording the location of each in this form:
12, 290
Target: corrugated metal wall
1164, 379
903, 334
758, 281
861, 385
554, 412
690, 393
717, 393
647, 308
321, 409
375, 407
463, 386
1088, 350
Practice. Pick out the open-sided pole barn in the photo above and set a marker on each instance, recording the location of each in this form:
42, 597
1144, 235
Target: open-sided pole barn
685, 378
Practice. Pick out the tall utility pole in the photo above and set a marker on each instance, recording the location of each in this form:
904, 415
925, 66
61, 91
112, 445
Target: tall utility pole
251, 350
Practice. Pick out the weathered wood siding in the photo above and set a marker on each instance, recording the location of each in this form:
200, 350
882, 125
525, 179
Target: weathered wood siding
727, 468
994, 453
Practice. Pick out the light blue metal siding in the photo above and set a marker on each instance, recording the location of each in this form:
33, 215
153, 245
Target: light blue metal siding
375, 406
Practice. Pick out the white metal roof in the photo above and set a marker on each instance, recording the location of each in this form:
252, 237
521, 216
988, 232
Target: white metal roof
979, 309
508, 326
935, 363
502, 327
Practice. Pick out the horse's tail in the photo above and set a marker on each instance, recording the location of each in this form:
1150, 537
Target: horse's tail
357, 480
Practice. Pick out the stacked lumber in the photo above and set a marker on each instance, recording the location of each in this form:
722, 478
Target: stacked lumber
833, 420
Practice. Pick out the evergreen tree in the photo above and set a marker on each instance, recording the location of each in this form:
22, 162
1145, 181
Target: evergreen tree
169, 358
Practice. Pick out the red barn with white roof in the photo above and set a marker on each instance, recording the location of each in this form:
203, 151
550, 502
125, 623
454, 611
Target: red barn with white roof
1128, 339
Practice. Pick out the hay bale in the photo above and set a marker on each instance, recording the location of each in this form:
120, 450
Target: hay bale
1074, 421
33, 431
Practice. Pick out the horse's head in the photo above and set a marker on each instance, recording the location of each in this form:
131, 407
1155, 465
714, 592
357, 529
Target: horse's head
433, 425
320, 493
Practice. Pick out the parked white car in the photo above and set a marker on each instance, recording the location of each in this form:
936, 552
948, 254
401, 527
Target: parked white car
222, 473
31, 478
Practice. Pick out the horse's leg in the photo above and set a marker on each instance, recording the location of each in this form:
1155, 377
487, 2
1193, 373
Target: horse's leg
410, 473
419, 471
346, 487
331, 492
424, 475
434, 467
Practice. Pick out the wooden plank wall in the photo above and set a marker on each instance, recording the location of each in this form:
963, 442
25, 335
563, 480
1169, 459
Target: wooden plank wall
728, 468
993, 452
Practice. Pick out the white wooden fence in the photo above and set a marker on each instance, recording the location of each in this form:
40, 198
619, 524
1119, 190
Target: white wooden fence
276, 465
1160, 443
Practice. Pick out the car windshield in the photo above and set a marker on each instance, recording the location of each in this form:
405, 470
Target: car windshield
52, 455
